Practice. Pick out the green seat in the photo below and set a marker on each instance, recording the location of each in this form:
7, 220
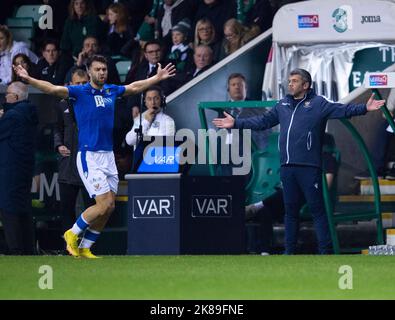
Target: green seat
28, 11
117, 58
265, 173
23, 34
123, 68
20, 23
22, 29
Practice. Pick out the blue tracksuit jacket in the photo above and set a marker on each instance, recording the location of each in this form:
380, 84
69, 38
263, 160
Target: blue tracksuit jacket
302, 125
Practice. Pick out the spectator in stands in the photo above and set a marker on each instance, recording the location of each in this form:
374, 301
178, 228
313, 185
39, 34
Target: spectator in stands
137, 9
236, 35
89, 49
202, 61
154, 121
53, 65
218, 12
271, 209
237, 92
119, 30
205, 34
148, 28
259, 14
180, 53
171, 13
302, 116
24, 61
145, 69
82, 22
18, 128
8, 50
66, 144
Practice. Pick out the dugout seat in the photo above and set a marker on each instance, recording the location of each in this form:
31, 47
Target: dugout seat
265, 172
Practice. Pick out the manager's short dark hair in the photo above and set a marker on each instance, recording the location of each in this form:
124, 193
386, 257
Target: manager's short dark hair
304, 74
97, 58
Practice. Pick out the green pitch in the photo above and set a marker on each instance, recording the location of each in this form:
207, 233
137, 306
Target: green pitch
199, 277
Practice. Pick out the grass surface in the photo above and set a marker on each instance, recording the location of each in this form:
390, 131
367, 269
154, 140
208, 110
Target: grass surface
198, 277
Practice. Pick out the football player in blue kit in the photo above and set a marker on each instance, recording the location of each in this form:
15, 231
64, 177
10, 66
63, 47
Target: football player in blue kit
94, 112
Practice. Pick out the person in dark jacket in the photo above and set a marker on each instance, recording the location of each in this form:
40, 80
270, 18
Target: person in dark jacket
169, 14
18, 127
66, 144
302, 116
218, 12
81, 22
53, 66
143, 70
202, 61
89, 49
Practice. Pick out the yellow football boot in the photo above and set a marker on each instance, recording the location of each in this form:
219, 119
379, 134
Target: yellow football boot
87, 253
72, 243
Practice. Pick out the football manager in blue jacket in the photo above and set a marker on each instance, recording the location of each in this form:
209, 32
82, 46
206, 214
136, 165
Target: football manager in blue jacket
302, 116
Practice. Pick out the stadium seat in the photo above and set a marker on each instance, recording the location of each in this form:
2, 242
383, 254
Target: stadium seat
28, 11
20, 22
265, 172
123, 68
22, 34
22, 29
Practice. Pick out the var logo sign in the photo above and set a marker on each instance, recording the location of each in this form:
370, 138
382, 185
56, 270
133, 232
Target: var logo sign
153, 207
212, 206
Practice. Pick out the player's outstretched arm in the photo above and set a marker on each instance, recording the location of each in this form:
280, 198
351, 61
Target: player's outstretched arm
41, 85
162, 74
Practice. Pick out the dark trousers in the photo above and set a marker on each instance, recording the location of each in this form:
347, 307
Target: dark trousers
68, 198
380, 146
272, 211
299, 181
18, 232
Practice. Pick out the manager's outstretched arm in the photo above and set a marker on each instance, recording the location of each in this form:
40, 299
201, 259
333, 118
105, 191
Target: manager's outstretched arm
224, 123
41, 85
142, 85
373, 105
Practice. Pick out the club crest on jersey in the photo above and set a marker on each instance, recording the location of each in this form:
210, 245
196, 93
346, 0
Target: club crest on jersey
307, 104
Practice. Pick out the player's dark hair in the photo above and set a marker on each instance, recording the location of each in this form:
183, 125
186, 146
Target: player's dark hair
305, 75
97, 58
